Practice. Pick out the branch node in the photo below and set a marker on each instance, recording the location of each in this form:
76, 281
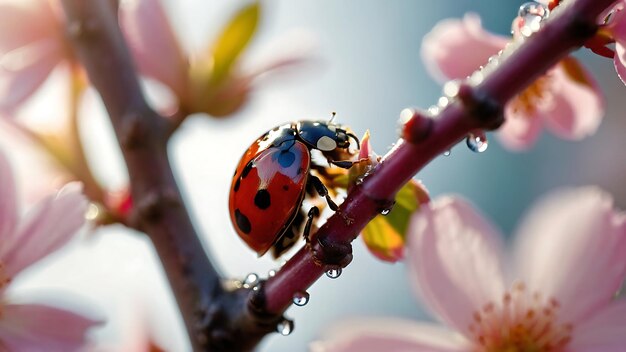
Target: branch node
417, 127
331, 254
151, 207
487, 111
133, 132
82, 30
582, 27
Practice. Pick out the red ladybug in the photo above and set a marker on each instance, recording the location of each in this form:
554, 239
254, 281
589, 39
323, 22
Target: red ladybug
273, 177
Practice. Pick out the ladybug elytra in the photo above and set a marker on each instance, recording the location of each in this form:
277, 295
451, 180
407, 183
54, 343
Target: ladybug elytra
274, 176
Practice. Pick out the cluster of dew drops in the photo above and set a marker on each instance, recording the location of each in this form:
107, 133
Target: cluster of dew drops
531, 16
300, 298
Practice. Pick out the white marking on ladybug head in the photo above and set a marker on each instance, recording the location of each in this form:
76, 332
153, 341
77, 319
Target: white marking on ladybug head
326, 144
332, 128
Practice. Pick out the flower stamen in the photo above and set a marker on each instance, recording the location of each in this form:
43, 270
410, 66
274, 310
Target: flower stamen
523, 321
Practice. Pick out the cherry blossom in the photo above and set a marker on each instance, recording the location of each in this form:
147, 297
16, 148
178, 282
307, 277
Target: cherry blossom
32, 44
615, 31
559, 295
210, 80
566, 100
23, 242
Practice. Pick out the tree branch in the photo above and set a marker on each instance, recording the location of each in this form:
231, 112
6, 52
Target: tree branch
142, 133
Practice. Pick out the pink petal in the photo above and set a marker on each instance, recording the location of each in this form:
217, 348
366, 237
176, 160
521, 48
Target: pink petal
619, 60
577, 109
45, 229
572, 247
520, 131
377, 335
26, 21
288, 54
23, 70
605, 331
153, 43
455, 259
8, 201
34, 327
456, 48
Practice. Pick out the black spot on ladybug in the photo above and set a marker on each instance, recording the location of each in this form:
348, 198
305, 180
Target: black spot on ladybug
242, 222
246, 169
286, 158
285, 188
262, 199
237, 184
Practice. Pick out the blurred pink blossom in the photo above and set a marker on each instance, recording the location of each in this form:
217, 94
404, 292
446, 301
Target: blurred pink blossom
32, 44
566, 100
201, 81
23, 242
616, 31
561, 294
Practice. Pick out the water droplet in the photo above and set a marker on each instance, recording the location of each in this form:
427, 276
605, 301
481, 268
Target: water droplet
301, 298
271, 273
477, 141
476, 77
406, 115
447, 152
530, 15
433, 110
333, 273
92, 212
251, 280
442, 102
285, 327
451, 88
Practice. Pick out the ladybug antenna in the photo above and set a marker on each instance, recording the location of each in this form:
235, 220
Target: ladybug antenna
332, 117
358, 145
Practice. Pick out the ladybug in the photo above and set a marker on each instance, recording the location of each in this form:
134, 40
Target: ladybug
274, 176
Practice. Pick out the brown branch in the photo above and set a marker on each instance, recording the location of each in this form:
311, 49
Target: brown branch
142, 133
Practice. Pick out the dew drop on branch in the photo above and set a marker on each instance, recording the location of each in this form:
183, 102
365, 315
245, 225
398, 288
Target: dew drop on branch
477, 141
333, 273
251, 280
447, 152
301, 298
271, 273
531, 15
285, 327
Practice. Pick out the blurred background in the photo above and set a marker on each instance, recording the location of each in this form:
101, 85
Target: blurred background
367, 68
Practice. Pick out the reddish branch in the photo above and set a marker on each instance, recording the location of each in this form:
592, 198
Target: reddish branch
237, 320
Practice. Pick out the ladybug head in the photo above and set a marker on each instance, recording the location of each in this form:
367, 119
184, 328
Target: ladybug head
325, 136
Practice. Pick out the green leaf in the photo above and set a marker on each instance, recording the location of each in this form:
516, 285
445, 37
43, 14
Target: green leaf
385, 236
233, 40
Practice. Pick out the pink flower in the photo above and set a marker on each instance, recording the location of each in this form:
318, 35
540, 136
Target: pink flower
32, 44
566, 100
569, 264
208, 81
615, 31
23, 242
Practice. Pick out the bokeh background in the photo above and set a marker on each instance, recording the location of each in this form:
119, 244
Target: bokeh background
366, 67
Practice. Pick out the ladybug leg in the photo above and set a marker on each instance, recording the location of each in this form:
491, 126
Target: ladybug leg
323, 192
346, 164
313, 213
